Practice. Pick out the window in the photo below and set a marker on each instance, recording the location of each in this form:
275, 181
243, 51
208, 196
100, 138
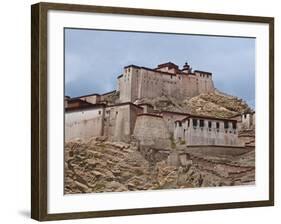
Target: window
201, 123
99, 112
180, 124
194, 122
226, 125
217, 125
234, 126
209, 124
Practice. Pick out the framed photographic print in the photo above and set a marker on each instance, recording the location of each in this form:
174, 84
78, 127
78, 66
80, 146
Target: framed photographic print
139, 111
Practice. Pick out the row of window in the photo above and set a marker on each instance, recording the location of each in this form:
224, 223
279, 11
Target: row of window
202, 124
203, 75
218, 130
107, 112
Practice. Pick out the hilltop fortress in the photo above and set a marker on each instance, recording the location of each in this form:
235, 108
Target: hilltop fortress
119, 116
141, 82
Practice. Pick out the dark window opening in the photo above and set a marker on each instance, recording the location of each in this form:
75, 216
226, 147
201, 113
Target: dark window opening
209, 124
194, 122
201, 123
99, 112
218, 125
180, 124
234, 125
226, 125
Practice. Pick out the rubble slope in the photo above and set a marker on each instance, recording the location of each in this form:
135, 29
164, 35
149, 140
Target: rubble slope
101, 166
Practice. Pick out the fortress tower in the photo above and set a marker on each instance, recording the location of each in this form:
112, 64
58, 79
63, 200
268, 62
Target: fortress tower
167, 79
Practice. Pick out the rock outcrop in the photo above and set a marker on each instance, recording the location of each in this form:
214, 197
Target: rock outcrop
215, 104
102, 166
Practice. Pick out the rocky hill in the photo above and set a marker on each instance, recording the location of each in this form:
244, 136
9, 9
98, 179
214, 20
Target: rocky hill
212, 104
98, 165
101, 166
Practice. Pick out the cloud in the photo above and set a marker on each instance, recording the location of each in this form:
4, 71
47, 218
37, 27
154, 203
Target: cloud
93, 59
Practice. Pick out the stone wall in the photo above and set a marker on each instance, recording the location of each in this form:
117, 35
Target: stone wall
170, 118
248, 121
151, 130
115, 122
119, 121
84, 123
206, 135
138, 82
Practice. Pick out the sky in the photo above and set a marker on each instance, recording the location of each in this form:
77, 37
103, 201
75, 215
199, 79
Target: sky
94, 59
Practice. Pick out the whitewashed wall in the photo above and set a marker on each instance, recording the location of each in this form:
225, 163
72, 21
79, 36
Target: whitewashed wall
84, 123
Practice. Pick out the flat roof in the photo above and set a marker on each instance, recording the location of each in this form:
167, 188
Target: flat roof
99, 105
209, 117
142, 104
150, 114
85, 107
108, 92
166, 73
125, 103
91, 94
174, 112
169, 65
157, 71
203, 72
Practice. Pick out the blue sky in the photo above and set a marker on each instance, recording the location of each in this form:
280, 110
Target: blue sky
94, 59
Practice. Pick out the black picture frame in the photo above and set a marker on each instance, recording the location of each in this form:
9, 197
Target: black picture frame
39, 107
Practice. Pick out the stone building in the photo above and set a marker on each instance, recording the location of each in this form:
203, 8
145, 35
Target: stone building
92, 115
203, 130
245, 121
140, 82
